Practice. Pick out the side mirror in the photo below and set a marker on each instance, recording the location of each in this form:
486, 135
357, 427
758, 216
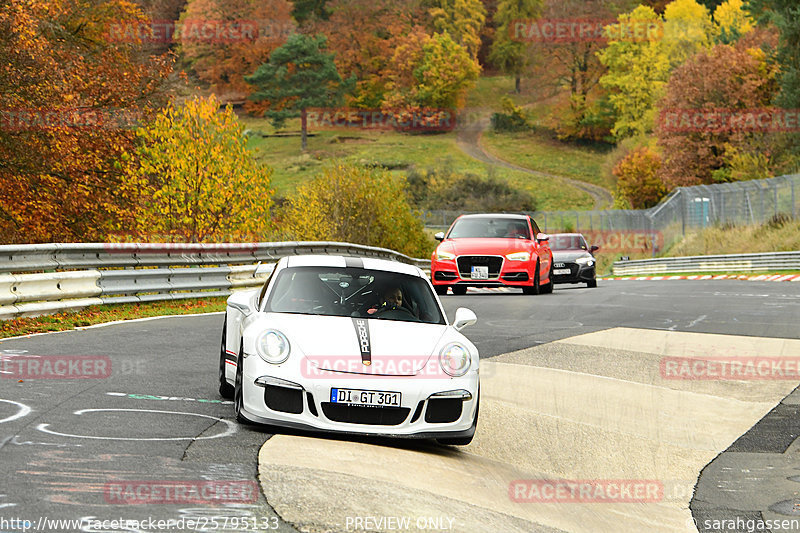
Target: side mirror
245, 309
542, 237
439, 236
464, 317
593, 249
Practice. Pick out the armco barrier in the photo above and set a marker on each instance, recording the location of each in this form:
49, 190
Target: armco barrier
44, 278
710, 263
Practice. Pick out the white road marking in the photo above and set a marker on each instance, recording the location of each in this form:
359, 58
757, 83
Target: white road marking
24, 410
232, 428
697, 321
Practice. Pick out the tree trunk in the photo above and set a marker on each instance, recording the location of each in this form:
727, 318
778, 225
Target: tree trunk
516, 84
304, 128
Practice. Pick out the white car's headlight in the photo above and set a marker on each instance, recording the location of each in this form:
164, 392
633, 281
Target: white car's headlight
518, 256
443, 255
273, 346
585, 261
455, 359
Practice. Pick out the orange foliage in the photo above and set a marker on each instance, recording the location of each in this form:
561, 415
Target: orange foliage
69, 99
225, 40
364, 35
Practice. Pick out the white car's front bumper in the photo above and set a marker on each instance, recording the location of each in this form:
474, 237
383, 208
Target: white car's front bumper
285, 398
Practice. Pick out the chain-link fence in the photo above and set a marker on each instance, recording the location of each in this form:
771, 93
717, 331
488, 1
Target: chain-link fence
685, 209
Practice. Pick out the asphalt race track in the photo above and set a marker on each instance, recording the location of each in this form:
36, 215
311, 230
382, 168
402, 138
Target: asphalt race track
572, 391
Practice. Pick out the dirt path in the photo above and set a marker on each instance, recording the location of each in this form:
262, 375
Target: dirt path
469, 141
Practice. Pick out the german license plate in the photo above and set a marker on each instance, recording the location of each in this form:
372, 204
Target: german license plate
480, 272
370, 398
561, 271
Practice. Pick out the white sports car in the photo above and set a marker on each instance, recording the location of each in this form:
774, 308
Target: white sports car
350, 345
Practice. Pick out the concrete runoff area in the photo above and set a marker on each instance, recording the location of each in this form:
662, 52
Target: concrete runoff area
573, 436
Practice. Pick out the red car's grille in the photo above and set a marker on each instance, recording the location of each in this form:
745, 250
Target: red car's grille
466, 262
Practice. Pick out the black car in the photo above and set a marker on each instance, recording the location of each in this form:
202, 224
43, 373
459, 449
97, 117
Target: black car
573, 261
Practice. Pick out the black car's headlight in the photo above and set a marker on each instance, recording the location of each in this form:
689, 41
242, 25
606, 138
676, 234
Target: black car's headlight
588, 261
455, 359
273, 346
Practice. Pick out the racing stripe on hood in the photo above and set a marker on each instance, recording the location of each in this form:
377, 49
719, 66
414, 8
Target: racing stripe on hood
364, 344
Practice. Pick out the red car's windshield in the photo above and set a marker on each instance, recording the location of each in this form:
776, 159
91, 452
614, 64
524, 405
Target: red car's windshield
489, 227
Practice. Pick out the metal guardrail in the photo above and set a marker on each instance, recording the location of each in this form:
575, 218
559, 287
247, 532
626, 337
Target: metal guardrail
710, 263
44, 278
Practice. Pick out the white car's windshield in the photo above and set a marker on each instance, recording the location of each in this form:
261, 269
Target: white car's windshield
489, 227
354, 292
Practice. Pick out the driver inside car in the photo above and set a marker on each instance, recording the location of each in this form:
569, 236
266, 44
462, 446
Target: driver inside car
515, 231
392, 299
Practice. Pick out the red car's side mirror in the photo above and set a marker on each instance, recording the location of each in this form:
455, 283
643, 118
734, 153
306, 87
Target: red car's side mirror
542, 237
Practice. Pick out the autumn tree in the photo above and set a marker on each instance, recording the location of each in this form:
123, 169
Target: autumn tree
430, 72
638, 184
364, 35
638, 69
731, 21
305, 11
71, 96
461, 19
359, 205
694, 138
192, 178
687, 30
224, 40
570, 69
508, 53
785, 15
299, 75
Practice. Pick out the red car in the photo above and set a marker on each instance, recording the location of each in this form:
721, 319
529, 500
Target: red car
492, 251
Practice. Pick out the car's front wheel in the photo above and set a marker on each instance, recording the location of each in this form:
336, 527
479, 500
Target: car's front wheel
548, 289
225, 388
591, 284
441, 290
535, 288
460, 290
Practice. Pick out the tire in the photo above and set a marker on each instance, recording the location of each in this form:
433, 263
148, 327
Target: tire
591, 284
238, 399
441, 290
548, 289
225, 388
463, 441
459, 290
536, 288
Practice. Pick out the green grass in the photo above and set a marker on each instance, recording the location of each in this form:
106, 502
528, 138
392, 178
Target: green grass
109, 313
781, 237
539, 152
401, 151
398, 151
489, 90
